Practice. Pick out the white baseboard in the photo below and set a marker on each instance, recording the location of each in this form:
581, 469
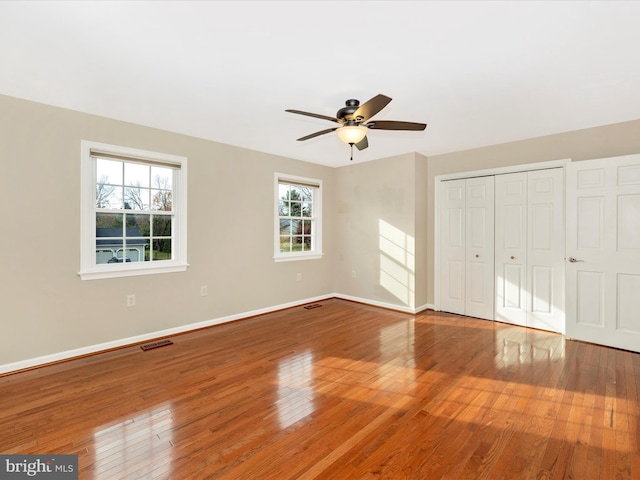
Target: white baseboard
123, 342
391, 306
426, 306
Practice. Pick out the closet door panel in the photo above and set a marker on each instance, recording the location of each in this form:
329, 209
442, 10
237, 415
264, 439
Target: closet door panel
545, 255
479, 266
511, 248
452, 246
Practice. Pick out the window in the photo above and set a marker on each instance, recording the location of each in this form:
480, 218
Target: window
133, 212
298, 228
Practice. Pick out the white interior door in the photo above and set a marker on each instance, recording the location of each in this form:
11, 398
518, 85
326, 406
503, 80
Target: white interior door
479, 238
545, 250
452, 246
466, 247
603, 251
511, 248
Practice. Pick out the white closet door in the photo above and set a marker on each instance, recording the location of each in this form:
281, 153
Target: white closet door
511, 248
545, 252
603, 251
452, 246
479, 235
530, 249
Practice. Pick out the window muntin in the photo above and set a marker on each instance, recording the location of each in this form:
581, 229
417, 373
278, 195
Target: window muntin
134, 211
136, 222
298, 225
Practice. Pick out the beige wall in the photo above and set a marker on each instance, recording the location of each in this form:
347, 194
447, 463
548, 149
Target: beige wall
378, 222
422, 217
46, 308
600, 142
375, 230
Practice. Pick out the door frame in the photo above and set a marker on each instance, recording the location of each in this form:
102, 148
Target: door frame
524, 167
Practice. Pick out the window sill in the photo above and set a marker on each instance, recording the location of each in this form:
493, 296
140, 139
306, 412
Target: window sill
297, 256
131, 271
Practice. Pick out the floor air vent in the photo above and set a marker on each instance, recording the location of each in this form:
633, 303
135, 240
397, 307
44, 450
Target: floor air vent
315, 305
161, 343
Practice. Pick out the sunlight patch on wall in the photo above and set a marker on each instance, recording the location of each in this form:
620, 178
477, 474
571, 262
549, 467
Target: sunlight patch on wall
397, 262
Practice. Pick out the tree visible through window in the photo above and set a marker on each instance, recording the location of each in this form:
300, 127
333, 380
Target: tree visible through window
134, 212
298, 212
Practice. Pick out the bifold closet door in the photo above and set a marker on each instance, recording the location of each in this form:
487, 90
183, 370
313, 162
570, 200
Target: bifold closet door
529, 249
466, 247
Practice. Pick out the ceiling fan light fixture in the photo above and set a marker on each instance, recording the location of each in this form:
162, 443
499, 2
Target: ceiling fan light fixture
352, 134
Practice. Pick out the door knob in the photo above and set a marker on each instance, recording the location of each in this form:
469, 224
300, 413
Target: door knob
512, 257
574, 260
477, 256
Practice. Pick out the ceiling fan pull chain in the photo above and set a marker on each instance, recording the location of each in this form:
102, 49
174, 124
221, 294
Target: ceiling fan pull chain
351, 151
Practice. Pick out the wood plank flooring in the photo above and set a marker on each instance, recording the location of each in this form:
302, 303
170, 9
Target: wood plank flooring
345, 391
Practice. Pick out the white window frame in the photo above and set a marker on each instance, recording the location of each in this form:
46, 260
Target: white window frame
316, 253
89, 269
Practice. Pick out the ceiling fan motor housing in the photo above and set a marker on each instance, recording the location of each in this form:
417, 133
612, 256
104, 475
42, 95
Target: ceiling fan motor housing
346, 112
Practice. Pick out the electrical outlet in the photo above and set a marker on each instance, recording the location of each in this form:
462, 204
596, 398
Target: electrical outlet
299, 276
204, 291
131, 300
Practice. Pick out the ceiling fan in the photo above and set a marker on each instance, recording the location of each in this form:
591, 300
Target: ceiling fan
355, 121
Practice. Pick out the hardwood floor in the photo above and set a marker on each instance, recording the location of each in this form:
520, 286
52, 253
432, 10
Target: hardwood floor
344, 391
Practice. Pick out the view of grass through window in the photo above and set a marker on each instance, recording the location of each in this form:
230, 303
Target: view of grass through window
297, 222
134, 212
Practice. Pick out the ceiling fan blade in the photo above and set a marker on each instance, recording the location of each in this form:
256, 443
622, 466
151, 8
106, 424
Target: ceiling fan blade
362, 144
393, 125
315, 115
370, 108
317, 134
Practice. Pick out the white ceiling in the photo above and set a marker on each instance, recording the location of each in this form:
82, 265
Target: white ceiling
479, 73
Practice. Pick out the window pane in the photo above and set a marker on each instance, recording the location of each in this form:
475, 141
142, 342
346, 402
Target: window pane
109, 171
161, 249
283, 208
161, 225
109, 220
296, 226
296, 209
138, 225
307, 210
108, 237
306, 229
285, 243
162, 178
307, 244
108, 196
137, 237
283, 191
297, 243
103, 255
136, 198
285, 226
136, 174
306, 194
162, 200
